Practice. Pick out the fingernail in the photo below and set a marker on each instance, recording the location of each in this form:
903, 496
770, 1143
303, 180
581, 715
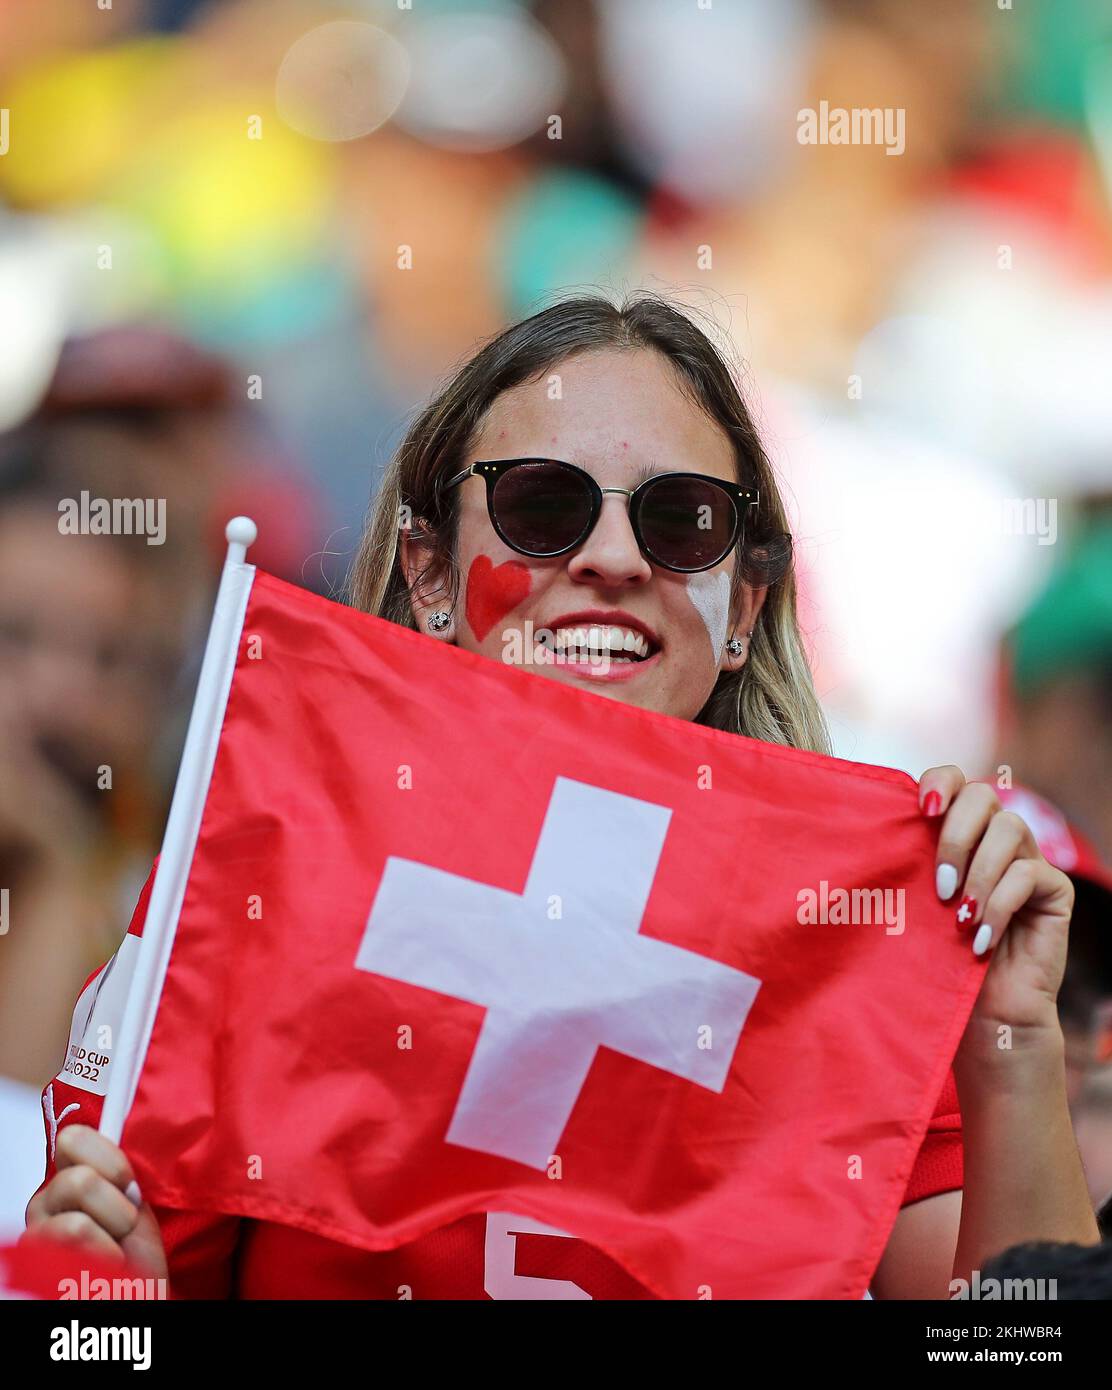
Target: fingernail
131, 1191
932, 804
946, 881
967, 912
982, 939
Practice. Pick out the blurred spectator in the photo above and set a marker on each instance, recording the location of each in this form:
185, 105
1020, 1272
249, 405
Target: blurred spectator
1077, 1271
1056, 720
93, 632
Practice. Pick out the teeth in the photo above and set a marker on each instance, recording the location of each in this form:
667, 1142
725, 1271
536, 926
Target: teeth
615, 641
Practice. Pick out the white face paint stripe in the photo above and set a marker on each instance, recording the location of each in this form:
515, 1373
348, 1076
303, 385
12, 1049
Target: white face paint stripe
710, 593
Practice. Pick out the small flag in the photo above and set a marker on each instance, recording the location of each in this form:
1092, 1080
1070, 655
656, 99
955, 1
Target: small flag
455, 938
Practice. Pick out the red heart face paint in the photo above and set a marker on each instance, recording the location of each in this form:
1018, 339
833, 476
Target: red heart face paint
493, 591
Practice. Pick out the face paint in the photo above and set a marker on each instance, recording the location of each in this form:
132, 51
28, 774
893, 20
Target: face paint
493, 591
710, 593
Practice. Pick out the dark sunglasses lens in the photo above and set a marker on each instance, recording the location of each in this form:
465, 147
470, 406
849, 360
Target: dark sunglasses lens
686, 523
542, 507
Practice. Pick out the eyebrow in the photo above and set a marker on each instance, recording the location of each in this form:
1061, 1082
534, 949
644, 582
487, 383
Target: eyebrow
647, 471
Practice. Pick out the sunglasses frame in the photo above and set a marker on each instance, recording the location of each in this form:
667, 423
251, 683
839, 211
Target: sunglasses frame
491, 470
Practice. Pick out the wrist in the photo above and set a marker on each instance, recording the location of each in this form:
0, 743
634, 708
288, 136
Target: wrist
1010, 1059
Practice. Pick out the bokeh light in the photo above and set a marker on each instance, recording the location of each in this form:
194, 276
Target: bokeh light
341, 81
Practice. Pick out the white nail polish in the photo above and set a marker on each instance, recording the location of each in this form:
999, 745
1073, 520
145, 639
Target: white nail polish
946, 881
982, 939
131, 1191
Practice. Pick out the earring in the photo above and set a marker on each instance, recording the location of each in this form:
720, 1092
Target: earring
735, 646
438, 621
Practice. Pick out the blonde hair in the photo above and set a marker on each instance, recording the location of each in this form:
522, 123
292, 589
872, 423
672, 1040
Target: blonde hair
771, 697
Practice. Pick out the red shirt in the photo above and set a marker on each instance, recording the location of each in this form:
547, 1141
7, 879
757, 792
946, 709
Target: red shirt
491, 1255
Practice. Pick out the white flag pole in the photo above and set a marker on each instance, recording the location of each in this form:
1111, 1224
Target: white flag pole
129, 1050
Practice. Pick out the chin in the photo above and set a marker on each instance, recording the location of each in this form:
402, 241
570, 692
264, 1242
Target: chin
629, 691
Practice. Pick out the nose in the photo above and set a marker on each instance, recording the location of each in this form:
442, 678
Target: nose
610, 556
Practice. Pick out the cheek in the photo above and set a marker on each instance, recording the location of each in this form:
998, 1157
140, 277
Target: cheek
709, 593
493, 591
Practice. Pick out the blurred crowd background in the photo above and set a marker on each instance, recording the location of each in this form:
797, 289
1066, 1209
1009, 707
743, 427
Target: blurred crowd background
241, 241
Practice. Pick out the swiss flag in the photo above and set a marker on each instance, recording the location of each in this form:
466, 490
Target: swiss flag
457, 938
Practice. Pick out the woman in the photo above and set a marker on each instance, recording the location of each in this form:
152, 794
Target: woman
538, 495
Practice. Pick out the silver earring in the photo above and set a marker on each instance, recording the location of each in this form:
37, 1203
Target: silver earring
439, 620
735, 646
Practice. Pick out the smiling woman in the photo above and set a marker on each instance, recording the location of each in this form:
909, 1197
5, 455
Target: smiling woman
588, 498
594, 473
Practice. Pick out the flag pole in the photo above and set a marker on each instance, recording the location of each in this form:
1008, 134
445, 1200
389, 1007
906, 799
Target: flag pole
128, 1051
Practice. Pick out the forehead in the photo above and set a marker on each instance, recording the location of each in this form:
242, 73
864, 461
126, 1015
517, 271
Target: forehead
607, 409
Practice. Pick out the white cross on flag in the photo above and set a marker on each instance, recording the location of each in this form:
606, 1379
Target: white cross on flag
556, 988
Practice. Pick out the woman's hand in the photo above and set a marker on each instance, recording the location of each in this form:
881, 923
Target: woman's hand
1008, 901
86, 1202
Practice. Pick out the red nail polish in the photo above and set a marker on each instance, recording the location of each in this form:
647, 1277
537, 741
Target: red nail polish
932, 805
966, 913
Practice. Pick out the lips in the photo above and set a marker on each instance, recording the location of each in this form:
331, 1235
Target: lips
596, 670
598, 643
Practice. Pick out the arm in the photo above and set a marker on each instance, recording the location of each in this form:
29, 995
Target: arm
1023, 1179
1023, 1174
918, 1259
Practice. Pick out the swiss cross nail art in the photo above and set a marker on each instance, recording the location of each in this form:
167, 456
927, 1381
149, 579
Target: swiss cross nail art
967, 912
932, 804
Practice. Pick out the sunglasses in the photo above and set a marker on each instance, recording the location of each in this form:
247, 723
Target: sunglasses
684, 522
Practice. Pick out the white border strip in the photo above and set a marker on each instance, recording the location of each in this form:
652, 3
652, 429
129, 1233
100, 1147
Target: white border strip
182, 828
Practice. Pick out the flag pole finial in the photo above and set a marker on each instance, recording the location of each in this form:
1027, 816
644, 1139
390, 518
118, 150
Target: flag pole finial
240, 532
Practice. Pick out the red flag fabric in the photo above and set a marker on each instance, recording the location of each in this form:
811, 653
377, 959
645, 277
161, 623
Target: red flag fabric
38, 1268
460, 939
